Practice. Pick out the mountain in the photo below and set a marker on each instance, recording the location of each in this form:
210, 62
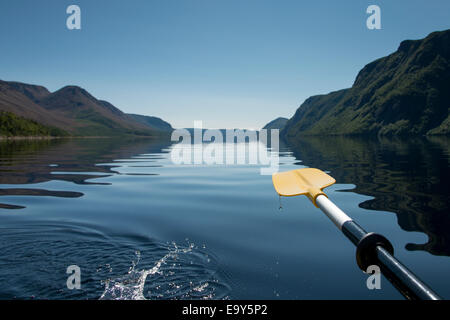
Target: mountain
33, 92
23, 101
92, 117
70, 109
12, 125
278, 123
405, 93
153, 122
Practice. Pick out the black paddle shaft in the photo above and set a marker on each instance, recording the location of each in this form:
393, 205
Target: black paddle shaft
374, 249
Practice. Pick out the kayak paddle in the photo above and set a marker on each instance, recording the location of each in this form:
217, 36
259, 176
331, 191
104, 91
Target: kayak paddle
371, 248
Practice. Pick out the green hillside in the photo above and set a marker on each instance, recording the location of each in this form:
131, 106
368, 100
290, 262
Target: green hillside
12, 125
405, 93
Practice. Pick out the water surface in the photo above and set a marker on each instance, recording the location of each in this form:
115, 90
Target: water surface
139, 226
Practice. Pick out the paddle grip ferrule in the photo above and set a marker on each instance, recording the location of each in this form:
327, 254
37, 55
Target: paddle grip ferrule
375, 249
366, 250
366, 244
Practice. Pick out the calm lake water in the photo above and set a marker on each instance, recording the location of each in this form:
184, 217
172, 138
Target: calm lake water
139, 226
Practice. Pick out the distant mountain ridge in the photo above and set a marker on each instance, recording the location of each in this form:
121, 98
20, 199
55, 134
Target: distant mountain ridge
153, 122
405, 93
278, 123
71, 109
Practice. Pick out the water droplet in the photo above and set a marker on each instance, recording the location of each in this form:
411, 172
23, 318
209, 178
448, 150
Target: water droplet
280, 204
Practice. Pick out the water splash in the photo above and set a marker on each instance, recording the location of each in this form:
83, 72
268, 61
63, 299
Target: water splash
181, 273
131, 286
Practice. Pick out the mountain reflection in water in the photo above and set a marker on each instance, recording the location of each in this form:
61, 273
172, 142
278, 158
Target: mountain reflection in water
407, 177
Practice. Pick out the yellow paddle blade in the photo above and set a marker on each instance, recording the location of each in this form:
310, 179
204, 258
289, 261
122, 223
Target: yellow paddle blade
308, 181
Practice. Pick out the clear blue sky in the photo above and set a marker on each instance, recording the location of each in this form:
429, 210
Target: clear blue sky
230, 63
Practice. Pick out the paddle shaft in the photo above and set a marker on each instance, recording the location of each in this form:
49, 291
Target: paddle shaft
401, 277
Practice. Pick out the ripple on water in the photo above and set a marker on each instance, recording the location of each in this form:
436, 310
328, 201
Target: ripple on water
34, 267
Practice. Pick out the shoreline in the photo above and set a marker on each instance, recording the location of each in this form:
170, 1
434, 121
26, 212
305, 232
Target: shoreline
21, 138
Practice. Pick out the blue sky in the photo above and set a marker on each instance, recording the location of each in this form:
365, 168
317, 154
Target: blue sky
230, 63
